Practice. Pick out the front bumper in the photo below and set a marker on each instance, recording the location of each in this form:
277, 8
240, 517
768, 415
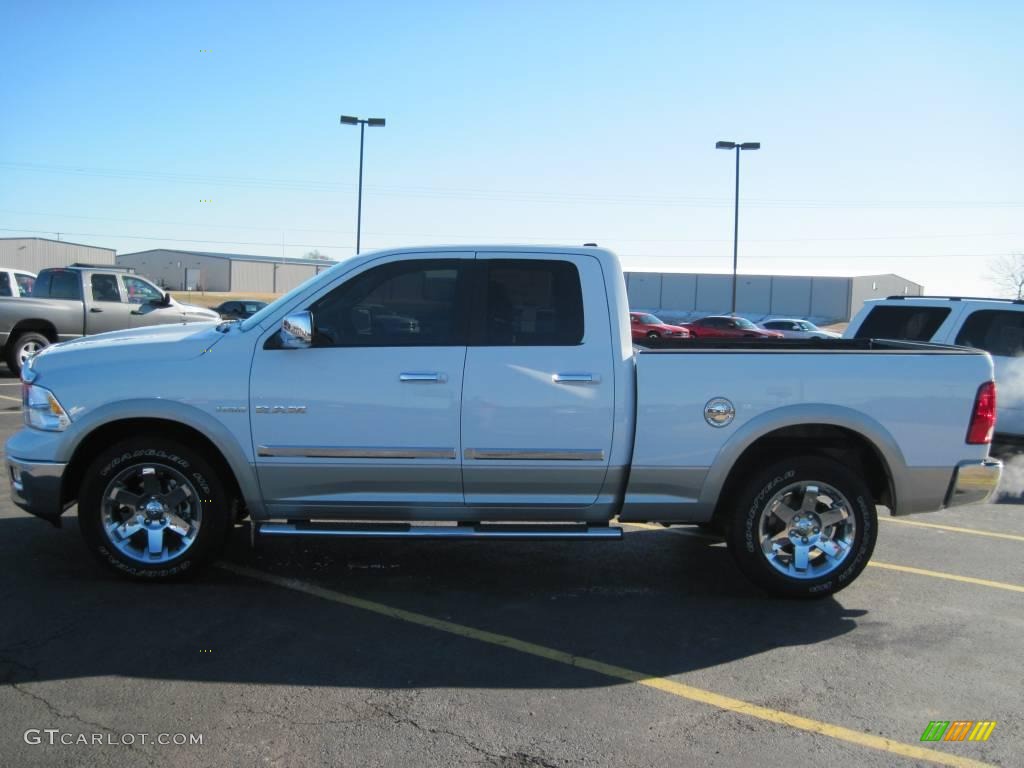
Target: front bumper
973, 482
36, 487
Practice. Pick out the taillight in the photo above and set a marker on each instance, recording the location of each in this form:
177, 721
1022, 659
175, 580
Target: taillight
983, 417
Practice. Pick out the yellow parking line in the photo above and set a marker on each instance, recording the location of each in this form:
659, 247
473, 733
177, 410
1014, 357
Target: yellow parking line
948, 576
665, 685
873, 563
954, 529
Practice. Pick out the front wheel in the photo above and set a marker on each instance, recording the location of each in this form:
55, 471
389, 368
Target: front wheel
153, 509
652, 335
804, 527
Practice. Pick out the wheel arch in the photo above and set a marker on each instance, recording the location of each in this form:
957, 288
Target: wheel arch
849, 438
33, 325
216, 448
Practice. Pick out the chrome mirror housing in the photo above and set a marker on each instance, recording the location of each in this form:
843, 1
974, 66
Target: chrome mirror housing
297, 331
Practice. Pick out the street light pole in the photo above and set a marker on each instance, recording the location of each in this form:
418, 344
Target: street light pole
736, 207
373, 122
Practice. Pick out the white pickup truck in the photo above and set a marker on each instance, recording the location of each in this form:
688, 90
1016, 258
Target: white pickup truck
493, 392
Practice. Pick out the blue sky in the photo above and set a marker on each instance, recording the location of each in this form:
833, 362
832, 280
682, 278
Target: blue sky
890, 131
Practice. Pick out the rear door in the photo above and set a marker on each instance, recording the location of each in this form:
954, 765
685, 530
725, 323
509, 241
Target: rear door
106, 308
538, 392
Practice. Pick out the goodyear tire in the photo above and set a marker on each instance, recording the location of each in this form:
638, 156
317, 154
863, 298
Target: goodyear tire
805, 527
154, 509
22, 347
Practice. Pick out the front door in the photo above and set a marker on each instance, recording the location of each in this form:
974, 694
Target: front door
365, 423
538, 398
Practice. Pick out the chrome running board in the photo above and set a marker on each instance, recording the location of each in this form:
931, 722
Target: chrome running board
404, 531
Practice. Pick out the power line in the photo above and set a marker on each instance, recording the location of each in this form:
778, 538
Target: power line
177, 239
516, 238
496, 195
624, 255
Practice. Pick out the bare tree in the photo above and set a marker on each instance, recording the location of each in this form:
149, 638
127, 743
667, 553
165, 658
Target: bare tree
1007, 273
315, 254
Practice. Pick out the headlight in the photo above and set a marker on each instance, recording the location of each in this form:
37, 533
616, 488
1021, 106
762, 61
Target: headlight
42, 410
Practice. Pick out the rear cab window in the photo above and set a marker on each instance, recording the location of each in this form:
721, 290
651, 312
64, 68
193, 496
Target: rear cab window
530, 302
104, 288
58, 284
905, 323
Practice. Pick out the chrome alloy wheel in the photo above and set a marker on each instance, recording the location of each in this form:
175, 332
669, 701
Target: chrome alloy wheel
807, 530
28, 349
151, 513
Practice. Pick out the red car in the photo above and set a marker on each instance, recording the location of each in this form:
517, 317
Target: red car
728, 327
646, 326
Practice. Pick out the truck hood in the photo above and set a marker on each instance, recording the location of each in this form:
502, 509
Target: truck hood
179, 341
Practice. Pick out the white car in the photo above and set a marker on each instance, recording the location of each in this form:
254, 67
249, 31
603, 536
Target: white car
794, 328
16, 282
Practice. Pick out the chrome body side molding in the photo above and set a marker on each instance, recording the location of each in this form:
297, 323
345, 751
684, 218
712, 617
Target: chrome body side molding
331, 452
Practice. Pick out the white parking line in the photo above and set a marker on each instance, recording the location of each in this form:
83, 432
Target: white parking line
8, 397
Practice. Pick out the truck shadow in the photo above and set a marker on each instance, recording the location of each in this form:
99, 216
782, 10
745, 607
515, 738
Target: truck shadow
655, 602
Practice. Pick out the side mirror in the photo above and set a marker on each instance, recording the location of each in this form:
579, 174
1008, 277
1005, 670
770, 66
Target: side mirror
297, 331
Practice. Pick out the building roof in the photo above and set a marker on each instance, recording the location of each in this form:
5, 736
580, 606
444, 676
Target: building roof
62, 242
234, 256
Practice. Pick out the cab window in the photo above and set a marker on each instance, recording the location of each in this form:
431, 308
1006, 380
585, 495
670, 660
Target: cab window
104, 288
405, 303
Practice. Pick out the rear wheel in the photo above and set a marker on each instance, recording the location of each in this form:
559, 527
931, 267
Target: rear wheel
653, 335
804, 527
153, 509
23, 347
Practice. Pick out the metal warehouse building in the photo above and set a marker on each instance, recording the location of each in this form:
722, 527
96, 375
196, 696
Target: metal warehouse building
36, 253
679, 297
237, 272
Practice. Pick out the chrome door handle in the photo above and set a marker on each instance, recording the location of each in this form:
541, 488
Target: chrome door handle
575, 378
439, 378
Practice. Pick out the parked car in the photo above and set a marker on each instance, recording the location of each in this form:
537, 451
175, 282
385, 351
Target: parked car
16, 282
239, 309
728, 327
994, 325
68, 302
646, 327
519, 402
798, 329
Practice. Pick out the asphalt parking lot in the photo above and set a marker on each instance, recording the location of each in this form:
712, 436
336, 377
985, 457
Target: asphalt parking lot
652, 651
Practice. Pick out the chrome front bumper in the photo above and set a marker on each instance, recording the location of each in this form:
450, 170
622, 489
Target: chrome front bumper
35, 487
973, 482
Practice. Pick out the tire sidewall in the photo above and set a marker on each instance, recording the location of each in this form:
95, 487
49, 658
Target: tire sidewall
14, 354
751, 504
214, 505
